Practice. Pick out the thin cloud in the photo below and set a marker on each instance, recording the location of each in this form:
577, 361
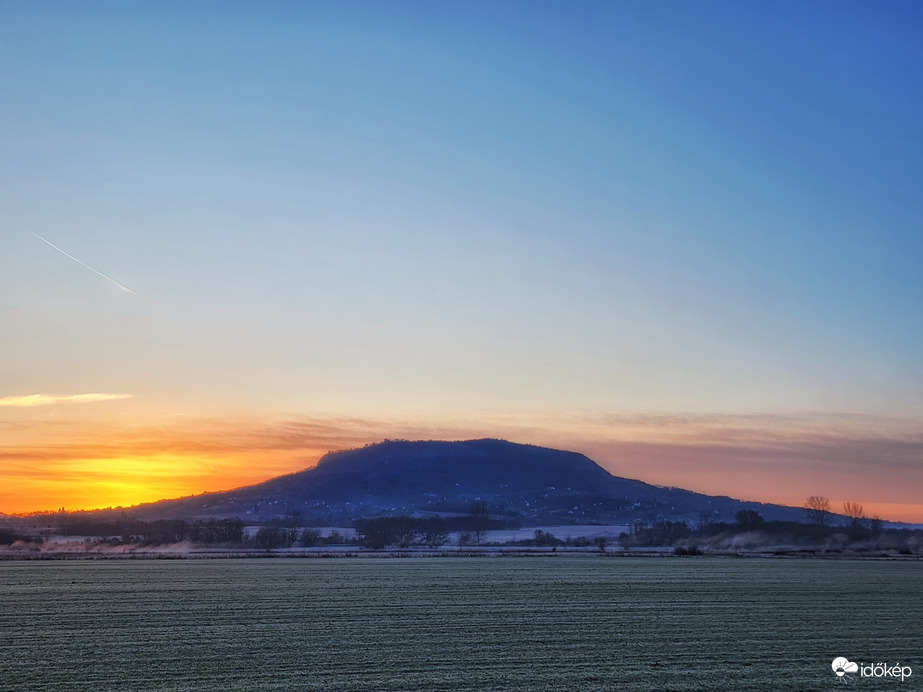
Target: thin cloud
30, 400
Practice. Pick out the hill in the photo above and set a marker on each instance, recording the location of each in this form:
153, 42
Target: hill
528, 484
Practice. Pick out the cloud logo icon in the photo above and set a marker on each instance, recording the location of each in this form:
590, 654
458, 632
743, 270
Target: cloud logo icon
842, 665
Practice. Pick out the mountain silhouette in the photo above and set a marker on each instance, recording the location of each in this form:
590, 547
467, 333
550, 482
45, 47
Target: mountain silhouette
523, 483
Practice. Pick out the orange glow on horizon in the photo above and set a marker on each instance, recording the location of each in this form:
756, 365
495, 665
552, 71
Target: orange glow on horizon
86, 465
104, 483
100, 483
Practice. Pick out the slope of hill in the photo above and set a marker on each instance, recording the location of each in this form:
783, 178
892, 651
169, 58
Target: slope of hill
532, 485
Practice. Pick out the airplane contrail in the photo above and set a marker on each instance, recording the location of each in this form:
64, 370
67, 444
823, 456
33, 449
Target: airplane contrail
108, 278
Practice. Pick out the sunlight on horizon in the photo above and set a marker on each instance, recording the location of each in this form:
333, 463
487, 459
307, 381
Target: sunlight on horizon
682, 239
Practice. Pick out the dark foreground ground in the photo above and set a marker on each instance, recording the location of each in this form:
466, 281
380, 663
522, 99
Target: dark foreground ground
529, 623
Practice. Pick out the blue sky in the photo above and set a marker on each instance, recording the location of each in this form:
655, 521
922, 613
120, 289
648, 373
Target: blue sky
461, 212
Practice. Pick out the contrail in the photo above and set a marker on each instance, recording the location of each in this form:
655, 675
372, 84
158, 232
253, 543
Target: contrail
108, 278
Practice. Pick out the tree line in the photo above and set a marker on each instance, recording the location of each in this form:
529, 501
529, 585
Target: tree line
818, 527
157, 532
405, 531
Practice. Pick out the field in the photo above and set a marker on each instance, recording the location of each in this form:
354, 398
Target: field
542, 623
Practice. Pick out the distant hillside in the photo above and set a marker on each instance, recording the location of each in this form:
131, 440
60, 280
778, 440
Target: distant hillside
532, 485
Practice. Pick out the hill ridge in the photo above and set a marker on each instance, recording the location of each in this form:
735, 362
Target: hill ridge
527, 483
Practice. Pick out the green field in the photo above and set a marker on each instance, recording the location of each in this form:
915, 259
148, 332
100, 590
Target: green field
552, 623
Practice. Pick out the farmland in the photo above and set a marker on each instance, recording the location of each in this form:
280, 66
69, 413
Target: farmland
491, 623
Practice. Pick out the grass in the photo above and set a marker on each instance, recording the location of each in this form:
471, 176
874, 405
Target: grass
577, 623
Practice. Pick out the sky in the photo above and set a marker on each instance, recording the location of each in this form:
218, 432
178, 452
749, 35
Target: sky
681, 238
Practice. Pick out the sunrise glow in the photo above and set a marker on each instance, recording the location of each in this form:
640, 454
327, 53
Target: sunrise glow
682, 240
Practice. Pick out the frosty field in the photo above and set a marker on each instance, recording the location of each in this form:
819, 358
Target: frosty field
562, 623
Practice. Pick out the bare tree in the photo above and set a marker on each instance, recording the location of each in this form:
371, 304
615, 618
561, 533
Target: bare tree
374, 533
405, 530
309, 537
292, 525
817, 509
853, 510
749, 519
857, 523
271, 537
875, 525
479, 520
434, 532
